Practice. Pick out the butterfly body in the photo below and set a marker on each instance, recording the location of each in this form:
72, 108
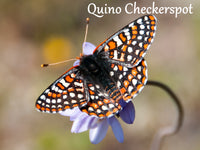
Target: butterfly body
115, 71
95, 72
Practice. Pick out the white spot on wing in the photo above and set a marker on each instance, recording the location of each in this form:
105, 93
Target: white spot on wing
111, 73
115, 54
72, 94
116, 39
73, 101
139, 21
142, 26
129, 57
130, 49
134, 81
43, 97
64, 96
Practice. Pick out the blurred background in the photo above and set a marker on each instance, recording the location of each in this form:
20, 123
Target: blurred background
46, 31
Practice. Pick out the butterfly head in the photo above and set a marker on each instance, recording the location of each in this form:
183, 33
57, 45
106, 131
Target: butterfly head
88, 63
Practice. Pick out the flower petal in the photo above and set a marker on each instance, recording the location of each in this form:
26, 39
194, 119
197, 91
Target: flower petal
116, 128
88, 48
70, 112
99, 132
76, 63
128, 113
82, 123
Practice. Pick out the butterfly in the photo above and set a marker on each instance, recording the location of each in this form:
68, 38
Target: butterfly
115, 71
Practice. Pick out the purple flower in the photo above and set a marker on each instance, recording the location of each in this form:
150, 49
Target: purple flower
98, 127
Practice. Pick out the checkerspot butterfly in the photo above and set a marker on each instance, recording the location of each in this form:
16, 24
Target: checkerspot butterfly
115, 71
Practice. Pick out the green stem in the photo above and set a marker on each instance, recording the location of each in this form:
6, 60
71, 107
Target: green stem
167, 131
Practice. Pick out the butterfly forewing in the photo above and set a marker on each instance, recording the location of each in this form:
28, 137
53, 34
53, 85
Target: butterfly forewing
66, 92
129, 45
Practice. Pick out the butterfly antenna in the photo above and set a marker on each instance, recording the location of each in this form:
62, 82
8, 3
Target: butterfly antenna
52, 64
86, 31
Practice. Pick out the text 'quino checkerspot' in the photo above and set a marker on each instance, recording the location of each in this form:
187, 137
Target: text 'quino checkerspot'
116, 70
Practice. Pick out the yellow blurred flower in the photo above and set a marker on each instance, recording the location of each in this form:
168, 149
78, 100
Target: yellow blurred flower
57, 49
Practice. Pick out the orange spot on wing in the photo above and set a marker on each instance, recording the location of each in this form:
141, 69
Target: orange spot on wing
92, 114
121, 36
84, 110
69, 79
120, 67
91, 92
71, 89
152, 22
152, 28
49, 94
151, 33
133, 93
134, 36
139, 86
42, 108
53, 109
141, 53
82, 103
75, 105
94, 105
126, 83
126, 98
38, 106
115, 110
59, 109
151, 18
123, 90
106, 101
134, 72
124, 48
144, 72
143, 80
89, 84
129, 42
108, 113
64, 93
59, 95
130, 77
100, 103
112, 45
149, 40
134, 28
143, 63
60, 86
145, 46
134, 32
101, 115
54, 95
67, 107
112, 65
47, 109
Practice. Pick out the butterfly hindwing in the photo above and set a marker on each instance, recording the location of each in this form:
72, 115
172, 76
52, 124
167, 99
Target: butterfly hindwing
100, 104
66, 92
130, 81
129, 45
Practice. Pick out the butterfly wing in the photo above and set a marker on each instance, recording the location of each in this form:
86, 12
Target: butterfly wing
100, 104
130, 81
66, 92
129, 45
